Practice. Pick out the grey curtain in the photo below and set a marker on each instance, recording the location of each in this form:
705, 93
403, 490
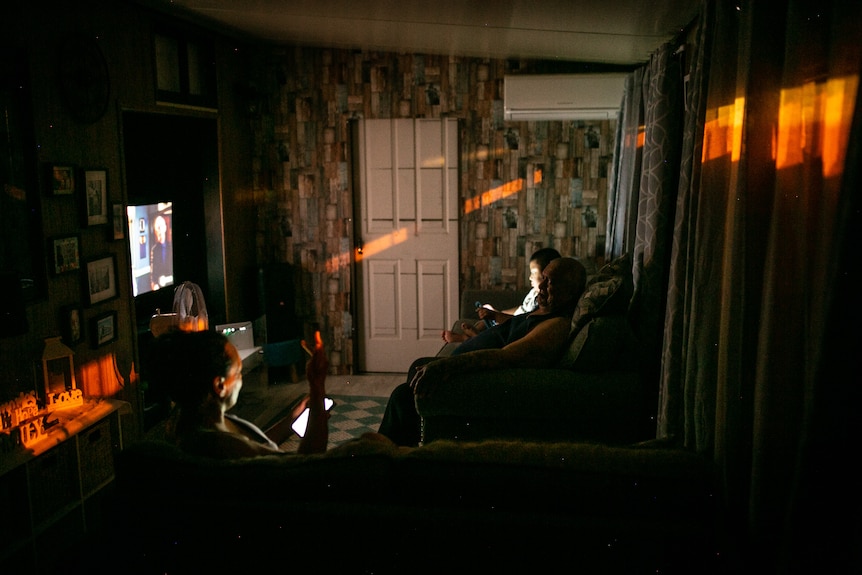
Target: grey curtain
643, 195
761, 266
628, 147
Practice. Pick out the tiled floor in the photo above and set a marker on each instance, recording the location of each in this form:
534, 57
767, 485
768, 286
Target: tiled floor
261, 403
350, 417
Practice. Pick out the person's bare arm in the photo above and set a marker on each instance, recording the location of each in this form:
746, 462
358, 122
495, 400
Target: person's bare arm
496, 315
317, 432
539, 348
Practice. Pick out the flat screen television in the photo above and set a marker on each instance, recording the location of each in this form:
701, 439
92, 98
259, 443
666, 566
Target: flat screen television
151, 246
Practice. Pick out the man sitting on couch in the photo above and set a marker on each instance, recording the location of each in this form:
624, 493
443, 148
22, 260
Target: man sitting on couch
537, 339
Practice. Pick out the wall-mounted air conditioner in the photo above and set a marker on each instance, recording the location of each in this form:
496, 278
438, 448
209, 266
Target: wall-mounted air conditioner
562, 97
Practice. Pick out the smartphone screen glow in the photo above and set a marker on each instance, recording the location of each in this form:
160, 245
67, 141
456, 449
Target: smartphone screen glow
301, 423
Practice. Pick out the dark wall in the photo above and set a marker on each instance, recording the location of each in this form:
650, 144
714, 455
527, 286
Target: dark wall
173, 169
122, 32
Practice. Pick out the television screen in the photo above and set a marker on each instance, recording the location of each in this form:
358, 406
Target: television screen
151, 246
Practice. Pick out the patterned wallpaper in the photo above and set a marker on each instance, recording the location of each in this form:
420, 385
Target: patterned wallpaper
527, 184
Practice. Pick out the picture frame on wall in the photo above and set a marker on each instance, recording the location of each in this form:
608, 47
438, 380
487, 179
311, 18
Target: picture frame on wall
72, 324
103, 328
63, 180
119, 221
95, 197
65, 253
101, 279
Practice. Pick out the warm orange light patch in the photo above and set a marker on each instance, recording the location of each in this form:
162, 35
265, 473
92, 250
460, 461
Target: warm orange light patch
537, 177
484, 153
814, 121
339, 262
435, 162
790, 137
493, 195
100, 377
722, 133
377, 246
837, 120
635, 139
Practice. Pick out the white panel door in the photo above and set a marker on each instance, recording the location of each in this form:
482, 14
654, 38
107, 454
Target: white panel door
408, 249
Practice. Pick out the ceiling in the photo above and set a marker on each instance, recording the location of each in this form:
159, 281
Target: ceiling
618, 32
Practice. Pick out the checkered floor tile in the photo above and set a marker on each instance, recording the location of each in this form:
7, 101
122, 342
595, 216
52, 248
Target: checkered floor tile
351, 416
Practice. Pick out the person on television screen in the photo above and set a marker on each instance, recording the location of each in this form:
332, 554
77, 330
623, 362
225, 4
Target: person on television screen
161, 256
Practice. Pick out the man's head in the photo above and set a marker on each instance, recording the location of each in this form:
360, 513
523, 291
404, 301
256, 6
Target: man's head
195, 366
160, 227
563, 282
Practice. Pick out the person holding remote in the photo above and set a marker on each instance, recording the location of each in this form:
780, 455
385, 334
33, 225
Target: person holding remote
203, 374
489, 317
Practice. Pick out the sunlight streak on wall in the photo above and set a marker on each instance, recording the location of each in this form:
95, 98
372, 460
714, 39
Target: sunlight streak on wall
375, 247
537, 177
493, 195
339, 262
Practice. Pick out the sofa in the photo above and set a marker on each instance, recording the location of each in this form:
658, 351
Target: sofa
596, 392
519, 471
368, 506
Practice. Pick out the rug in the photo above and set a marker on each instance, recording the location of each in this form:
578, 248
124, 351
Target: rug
350, 417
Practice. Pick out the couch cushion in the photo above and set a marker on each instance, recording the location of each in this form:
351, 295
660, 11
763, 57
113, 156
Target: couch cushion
605, 343
608, 292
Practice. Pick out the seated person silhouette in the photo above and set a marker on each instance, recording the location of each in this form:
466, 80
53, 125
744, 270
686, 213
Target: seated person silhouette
536, 339
202, 372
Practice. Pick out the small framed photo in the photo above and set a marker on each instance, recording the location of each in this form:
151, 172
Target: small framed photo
119, 221
66, 254
101, 279
63, 180
96, 197
103, 328
72, 324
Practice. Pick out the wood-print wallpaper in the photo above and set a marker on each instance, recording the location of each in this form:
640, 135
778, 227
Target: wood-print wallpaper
523, 185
